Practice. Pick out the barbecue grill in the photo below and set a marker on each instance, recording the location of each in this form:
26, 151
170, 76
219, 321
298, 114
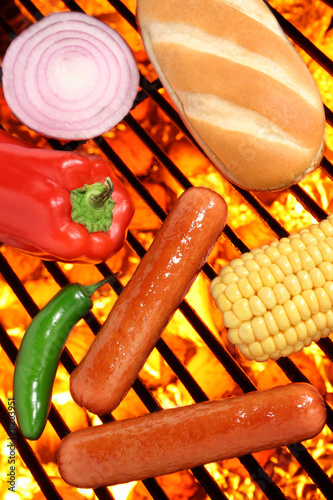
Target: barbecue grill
170, 158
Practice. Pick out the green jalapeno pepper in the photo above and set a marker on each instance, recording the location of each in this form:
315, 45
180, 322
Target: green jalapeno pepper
38, 357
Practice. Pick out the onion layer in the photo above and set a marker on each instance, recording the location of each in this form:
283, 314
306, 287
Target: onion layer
70, 76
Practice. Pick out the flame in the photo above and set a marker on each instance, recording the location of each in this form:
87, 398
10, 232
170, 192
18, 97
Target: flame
179, 335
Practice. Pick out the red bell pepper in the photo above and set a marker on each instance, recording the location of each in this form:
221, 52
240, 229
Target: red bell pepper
60, 205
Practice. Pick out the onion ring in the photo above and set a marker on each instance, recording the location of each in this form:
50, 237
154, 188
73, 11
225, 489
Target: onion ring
70, 76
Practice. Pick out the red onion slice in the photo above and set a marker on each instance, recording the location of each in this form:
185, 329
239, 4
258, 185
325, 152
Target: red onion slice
70, 76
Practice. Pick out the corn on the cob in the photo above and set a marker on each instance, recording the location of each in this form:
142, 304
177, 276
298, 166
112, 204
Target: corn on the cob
278, 299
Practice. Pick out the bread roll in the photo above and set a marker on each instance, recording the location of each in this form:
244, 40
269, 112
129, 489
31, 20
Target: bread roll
240, 87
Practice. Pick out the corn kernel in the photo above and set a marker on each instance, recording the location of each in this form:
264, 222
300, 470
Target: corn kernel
259, 328
254, 251
262, 259
225, 270
302, 331
256, 349
304, 280
231, 320
329, 241
287, 351
317, 336
272, 253
316, 231
245, 288
327, 270
284, 239
280, 341
325, 333
254, 280
244, 349
235, 262
284, 264
215, 280
223, 303
302, 306
245, 332
251, 265
307, 261
326, 227
262, 358
275, 355
271, 323
296, 243
292, 284
217, 287
246, 256
324, 301
266, 277
317, 277
292, 312
242, 310
258, 308
269, 346
291, 337
311, 328
326, 251
295, 261
232, 292
277, 273
308, 341
329, 319
311, 300
307, 237
281, 317
328, 287
299, 346
229, 277
284, 246
267, 296
241, 271
314, 253
234, 337
281, 293
320, 320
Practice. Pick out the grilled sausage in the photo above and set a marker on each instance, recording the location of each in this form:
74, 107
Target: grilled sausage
149, 299
186, 437
240, 87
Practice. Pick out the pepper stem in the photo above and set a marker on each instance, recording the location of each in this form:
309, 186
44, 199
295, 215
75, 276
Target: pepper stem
92, 206
100, 199
90, 289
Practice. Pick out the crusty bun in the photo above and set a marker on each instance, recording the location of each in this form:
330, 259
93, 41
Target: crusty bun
240, 87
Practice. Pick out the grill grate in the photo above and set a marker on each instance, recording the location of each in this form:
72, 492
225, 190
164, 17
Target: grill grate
149, 90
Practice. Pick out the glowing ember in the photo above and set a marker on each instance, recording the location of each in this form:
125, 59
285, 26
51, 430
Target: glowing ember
313, 19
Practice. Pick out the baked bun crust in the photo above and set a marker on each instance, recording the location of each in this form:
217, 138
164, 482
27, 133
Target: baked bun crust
241, 88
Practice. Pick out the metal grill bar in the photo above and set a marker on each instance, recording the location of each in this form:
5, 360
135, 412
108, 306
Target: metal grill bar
304, 43
29, 457
258, 474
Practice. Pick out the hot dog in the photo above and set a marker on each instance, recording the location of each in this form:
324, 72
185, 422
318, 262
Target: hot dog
186, 437
240, 87
149, 299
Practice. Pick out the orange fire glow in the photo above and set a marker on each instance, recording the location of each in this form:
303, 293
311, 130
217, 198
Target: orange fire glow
179, 335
